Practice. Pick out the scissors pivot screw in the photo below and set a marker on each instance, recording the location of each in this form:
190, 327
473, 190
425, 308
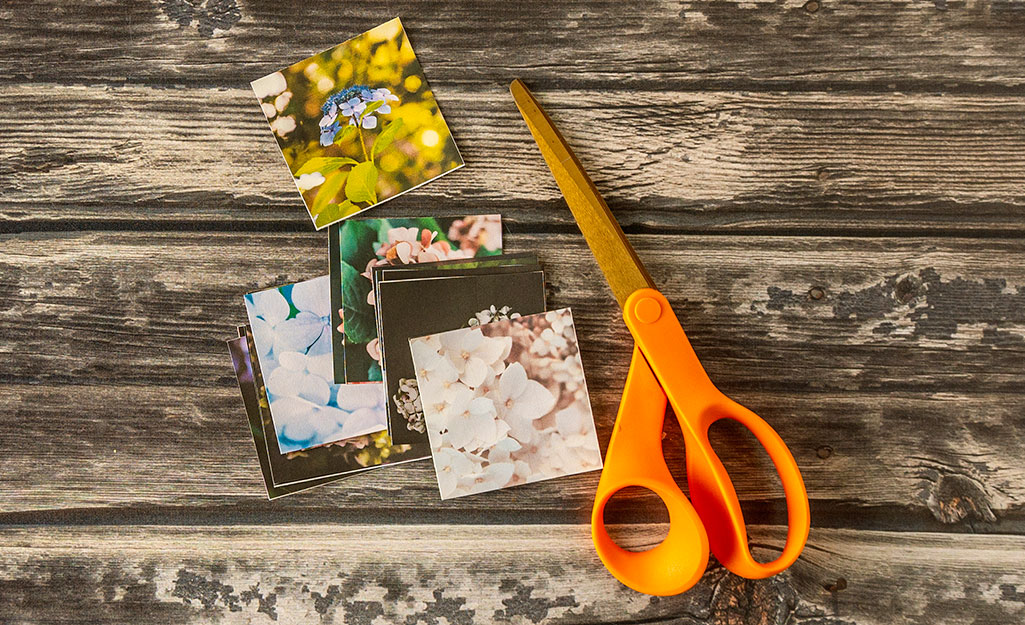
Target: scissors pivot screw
648, 310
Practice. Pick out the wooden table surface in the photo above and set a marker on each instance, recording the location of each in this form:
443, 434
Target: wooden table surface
831, 193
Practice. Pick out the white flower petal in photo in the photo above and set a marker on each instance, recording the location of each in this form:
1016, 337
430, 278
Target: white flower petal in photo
575, 426
492, 477
306, 182
494, 350
467, 428
271, 84
501, 450
282, 101
314, 389
312, 297
263, 335
283, 125
270, 306
454, 402
450, 465
359, 422
321, 364
322, 344
292, 419
297, 334
522, 400
293, 361
284, 382
489, 394
353, 397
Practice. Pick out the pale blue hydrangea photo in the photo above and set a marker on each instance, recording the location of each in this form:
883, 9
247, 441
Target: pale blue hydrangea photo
292, 332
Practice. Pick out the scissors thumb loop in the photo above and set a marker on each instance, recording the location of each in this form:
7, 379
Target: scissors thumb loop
715, 498
670, 567
634, 458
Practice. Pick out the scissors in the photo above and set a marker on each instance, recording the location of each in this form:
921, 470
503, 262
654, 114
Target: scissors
663, 366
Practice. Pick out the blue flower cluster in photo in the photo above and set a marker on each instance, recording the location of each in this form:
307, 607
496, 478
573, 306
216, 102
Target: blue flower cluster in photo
350, 105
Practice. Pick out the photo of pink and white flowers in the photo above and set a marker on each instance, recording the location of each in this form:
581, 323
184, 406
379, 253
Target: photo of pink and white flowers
292, 333
359, 245
505, 403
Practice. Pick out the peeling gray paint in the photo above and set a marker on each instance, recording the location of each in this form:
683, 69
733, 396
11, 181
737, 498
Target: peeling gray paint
522, 603
210, 593
934, 307
208, 15
443, 610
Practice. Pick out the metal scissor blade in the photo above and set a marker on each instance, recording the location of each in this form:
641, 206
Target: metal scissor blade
616, 257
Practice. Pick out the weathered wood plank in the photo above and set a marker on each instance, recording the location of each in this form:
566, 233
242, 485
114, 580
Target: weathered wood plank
85, 454
437, 573
686, 162
891, 366
861, 314
652, 45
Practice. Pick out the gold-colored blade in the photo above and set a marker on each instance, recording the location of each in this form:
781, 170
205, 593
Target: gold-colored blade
616, 257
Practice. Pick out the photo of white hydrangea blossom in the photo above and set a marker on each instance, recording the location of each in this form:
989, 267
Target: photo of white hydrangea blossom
292, 332
505, 403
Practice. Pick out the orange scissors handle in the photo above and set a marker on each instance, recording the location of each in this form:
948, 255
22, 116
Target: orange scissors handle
634, 458
664, 365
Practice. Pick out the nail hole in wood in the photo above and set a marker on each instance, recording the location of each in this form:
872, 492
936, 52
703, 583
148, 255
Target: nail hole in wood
837, 586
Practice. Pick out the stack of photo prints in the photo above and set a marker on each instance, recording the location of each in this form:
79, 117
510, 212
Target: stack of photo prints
425, 339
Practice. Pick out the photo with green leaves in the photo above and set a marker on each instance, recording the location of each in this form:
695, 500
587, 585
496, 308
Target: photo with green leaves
357, 246
357, 124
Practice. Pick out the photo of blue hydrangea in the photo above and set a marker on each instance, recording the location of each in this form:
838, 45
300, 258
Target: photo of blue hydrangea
291, 327
357, 124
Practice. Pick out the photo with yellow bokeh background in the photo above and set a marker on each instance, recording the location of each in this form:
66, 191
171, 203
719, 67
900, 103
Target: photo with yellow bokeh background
357, 124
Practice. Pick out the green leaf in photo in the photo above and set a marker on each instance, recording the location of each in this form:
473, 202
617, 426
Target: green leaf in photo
371, 107
356, 242
383, 226
344, 134
374, 373
327, 192
362, 182
324, 164
385, 138
399, 222
358, 314
333, 212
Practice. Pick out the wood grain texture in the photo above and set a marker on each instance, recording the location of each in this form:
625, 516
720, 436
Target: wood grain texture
956, 45
813, 163
830, 192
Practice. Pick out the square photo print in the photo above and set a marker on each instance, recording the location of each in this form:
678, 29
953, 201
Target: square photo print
288, 473
357, 124
240, 359
505, 403
291, 327
359, 245
452, 300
